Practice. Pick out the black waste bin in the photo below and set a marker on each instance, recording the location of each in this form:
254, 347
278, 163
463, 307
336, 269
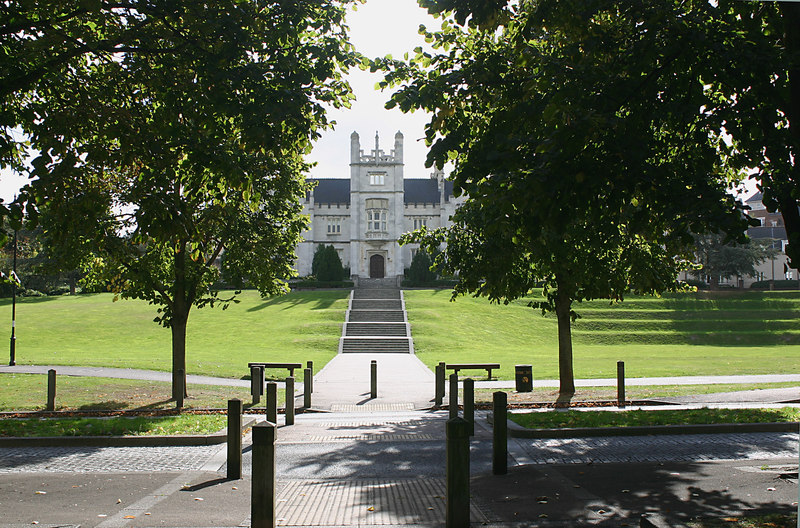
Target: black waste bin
524, 377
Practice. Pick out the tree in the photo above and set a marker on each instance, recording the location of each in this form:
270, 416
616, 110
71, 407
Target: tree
721, 260
170, 133
577, 131
420, 270
326, 264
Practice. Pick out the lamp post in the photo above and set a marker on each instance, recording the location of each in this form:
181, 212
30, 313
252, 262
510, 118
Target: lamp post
13, 355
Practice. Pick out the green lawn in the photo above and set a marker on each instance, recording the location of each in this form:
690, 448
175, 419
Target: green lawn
28, 392
91, 330
116, 426
677, 335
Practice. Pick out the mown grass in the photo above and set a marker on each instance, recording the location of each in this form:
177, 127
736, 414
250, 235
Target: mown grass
114, 426
91, 330
575, 418
28, 392
635, 392
676, 335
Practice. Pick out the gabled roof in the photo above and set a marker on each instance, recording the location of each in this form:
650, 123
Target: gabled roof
419, 190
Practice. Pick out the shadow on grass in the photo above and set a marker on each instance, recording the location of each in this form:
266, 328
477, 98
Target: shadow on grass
317, 300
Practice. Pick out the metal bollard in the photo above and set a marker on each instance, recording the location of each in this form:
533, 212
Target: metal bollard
262, 494
234, 439
51, 390
256, 383
307, 388
457, 473
290, 400
373, 379
500, 433
620, 384
469, 404
310, 366
272, 402
453, 406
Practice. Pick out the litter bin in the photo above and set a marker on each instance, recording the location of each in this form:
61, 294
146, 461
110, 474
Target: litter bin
524, 377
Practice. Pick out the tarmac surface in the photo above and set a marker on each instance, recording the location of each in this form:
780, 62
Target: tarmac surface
380, 462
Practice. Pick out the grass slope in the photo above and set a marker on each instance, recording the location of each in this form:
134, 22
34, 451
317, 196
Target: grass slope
676, 335
91, 330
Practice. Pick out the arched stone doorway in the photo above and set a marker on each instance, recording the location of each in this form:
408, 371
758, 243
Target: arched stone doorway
377, 267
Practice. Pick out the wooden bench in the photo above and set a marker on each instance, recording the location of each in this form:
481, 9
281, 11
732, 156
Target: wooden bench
488, 367
288, 366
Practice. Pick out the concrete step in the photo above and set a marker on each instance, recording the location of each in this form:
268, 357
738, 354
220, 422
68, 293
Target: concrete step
377, 283
376, 293
376, 304
377, 329
376, 316
375, 345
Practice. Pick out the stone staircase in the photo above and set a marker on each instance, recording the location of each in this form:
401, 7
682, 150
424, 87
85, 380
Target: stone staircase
376, 322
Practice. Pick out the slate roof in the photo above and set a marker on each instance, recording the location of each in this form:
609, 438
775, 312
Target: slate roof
332, 190
419, 190
415, 190
776, 232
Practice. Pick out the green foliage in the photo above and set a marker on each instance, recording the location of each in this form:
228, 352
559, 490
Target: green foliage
326, 265
720, 259
558, 420
420, 271
169, 134
576, 131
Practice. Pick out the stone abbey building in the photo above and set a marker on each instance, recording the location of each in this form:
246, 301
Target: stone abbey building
364, 215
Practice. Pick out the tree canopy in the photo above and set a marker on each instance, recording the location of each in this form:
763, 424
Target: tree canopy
168, 133
720, 260
578, 132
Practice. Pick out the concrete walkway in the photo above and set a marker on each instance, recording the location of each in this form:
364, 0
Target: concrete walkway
404, 383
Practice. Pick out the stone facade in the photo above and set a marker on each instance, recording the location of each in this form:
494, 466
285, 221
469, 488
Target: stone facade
364, 215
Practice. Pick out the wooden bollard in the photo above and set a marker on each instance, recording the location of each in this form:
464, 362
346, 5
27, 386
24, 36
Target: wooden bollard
310, 366
500, 433
234, 439
441, 379
289, 400
453, 405
373, 379
263, 490
469, 404
457, 473
620, 384
272, 402
51, 390
307, 388
256, 383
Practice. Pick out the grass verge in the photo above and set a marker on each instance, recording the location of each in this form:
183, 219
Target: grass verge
572, 418
636, 392
28, 392
115, 426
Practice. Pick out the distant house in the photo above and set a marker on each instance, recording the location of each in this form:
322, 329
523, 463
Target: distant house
364, 215
773, 230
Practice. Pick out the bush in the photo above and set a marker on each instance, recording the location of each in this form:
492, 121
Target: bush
326, 265
420, 270
778, 284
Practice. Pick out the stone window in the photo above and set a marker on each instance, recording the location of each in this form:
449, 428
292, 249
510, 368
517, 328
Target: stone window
334, 226
420, 222
377, 214
377, 178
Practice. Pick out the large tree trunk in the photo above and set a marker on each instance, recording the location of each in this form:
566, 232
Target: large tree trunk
180, 315
787, 195
566, 375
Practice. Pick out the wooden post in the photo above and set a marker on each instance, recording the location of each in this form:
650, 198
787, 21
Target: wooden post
442, 382
453, 406
438, 393
500, 433
262, 495
469, 404
51, 390
290, 400
307, 388
310, 366
272, 402
234, 439
620, 384
457, 473
256, 383
373, 379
